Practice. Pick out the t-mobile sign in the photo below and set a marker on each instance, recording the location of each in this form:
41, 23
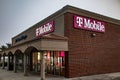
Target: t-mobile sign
88, 24
45, 29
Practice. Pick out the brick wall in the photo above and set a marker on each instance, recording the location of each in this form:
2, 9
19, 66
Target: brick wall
92, 55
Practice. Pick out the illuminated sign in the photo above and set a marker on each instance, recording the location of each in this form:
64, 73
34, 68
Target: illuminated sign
45, 29
88, 24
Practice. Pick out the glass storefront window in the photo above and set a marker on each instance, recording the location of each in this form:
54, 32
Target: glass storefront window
19, 63
36, 61
54, 62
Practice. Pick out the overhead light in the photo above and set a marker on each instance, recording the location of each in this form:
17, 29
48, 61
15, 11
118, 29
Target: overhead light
93, 34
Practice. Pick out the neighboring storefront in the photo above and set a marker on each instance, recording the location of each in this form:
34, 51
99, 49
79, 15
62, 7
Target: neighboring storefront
71, 43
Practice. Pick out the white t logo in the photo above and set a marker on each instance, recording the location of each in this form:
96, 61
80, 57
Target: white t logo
79, 21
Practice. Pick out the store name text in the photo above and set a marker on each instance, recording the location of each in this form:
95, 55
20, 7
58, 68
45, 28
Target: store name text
23, 37
88, 24
45, 29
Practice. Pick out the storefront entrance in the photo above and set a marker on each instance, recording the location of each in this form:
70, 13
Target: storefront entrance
20, 62
36, 61
54, 62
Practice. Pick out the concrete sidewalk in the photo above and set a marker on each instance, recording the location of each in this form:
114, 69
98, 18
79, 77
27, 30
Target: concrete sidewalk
10, 75
110, 76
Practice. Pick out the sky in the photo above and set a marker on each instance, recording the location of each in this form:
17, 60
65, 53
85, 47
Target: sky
18, 15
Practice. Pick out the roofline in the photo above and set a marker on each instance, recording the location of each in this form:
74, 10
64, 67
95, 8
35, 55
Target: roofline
75, 10
50, 17
91, 14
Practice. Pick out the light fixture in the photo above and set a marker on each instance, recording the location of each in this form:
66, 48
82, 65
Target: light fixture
38, 56
93, 34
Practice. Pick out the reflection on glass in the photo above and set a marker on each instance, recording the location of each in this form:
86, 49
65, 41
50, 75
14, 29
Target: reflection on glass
54, 62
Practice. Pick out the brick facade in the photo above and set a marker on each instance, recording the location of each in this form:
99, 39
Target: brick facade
92, 55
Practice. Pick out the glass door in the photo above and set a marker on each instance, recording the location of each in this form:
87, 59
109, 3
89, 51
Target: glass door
36, 61
55, 62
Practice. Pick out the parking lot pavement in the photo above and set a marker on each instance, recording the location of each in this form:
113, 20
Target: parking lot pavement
10, 75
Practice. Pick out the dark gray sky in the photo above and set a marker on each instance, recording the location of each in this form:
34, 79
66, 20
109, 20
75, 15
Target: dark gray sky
18, 15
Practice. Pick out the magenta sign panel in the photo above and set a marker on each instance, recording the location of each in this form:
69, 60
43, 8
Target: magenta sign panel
45, 29
88, 24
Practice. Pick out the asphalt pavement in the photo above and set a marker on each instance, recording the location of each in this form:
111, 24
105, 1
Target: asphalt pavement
10, 75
